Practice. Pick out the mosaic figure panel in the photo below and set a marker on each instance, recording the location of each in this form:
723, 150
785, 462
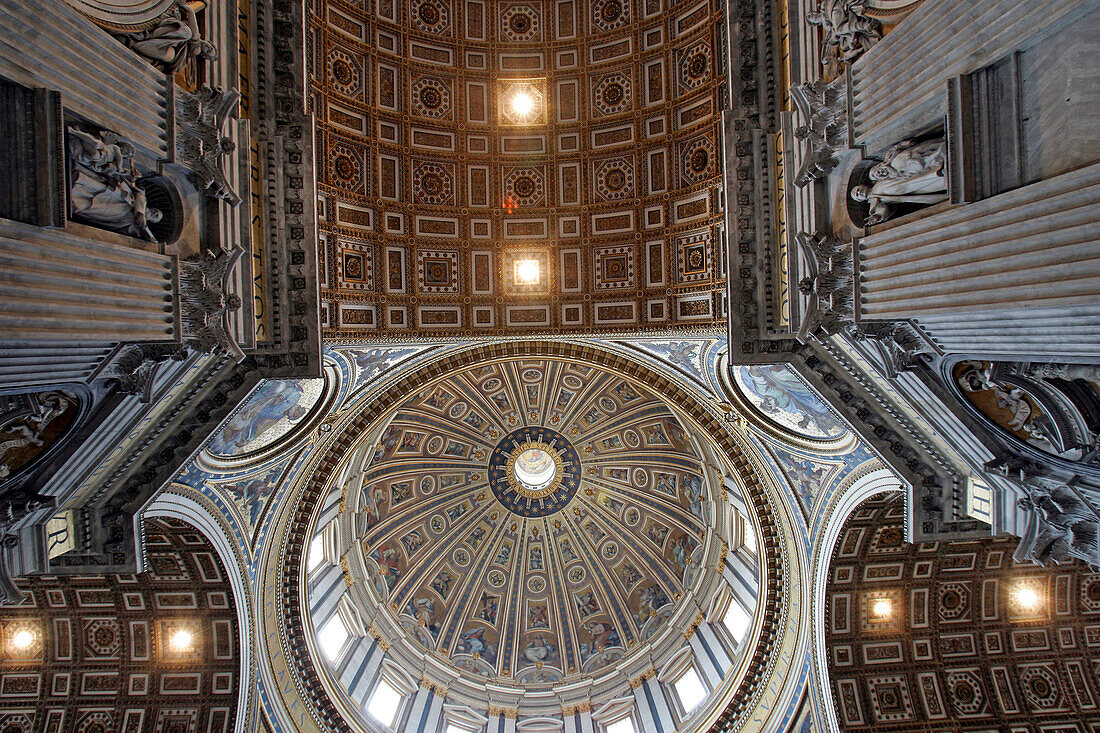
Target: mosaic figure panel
782, 397
272, 411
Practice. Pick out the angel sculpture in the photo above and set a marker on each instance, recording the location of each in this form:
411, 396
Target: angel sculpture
174, 40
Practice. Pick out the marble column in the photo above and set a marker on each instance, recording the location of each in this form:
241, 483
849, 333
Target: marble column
937, 41
652, 705
1017, 273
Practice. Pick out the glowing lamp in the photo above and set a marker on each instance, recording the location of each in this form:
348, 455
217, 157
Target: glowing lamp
181, 641
22, 639
527, 272
1027, 598
881, 608
523, 103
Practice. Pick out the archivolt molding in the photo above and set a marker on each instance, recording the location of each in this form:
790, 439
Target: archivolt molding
777, 641
196, 510
870, 479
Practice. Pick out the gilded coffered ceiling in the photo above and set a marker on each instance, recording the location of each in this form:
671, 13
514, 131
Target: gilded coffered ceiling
434, 185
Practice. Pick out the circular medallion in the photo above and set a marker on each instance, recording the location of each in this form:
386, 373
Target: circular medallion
613, 94
428, 13
345, 167
342, 71
519, 24
699, 160
697, 66
524, 186
534, 471
430, 97
431, 183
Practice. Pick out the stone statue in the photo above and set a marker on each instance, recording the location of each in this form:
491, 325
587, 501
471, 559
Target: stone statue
847, 28
206, 303
174, 39
200, 145
824, 131
911, 173
1061, 525
104, 189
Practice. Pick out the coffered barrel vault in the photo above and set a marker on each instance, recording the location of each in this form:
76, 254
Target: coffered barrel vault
433, 188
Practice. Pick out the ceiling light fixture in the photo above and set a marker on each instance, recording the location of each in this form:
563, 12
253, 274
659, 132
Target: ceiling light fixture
22, 639
527, 272
523, 103
881, 609
181, 641
1026, 597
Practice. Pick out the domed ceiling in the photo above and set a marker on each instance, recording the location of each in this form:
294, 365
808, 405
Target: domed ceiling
433, 188
532, 520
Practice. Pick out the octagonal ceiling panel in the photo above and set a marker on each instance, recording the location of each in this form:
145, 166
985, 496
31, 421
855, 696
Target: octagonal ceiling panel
433, 186
540, 580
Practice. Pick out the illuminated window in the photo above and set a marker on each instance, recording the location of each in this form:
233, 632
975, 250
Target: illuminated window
690, 690
737, 620
748, 536
384, 703
455, 728
332, 636
623, 725
316, 553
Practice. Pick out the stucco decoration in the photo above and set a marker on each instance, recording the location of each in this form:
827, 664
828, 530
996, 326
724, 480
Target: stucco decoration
782, 397
272, 411
531, 520
30, 424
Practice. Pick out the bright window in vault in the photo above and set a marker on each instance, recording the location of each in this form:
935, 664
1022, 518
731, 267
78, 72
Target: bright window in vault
748, 536
737, 620
332, 636
690, 690
384, 703
452, 728
316, 553
624, 725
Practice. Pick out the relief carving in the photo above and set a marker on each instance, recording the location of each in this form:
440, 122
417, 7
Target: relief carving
823, 108
135, 365
206, 303
1061, 523
200, 145
827, 286
29, 423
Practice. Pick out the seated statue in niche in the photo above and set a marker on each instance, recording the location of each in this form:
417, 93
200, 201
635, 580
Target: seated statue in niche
175, 39
910, 173
104, 190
